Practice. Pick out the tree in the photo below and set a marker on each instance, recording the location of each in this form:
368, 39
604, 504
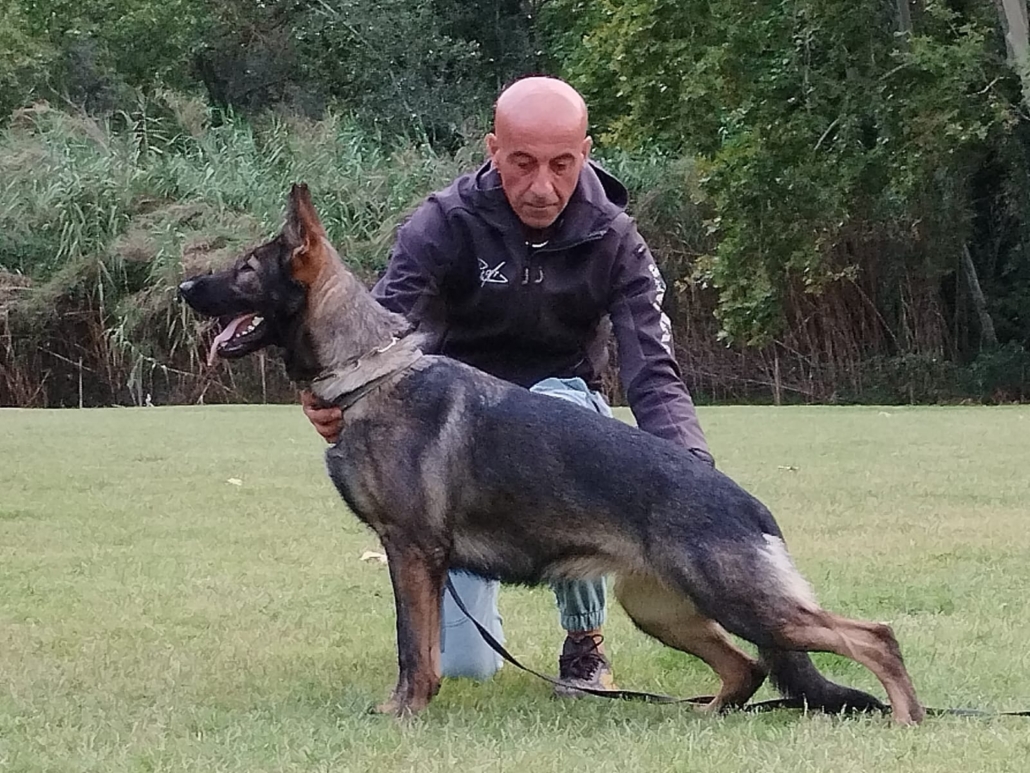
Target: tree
823, 138
1012, 14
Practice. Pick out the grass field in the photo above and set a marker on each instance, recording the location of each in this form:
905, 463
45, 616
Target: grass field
154, 616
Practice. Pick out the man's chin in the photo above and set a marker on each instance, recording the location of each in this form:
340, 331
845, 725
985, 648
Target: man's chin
539, 219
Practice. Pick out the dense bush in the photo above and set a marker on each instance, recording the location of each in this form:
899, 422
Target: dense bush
98, 225
811, 175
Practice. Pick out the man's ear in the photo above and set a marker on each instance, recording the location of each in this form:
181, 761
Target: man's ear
492, 144
303, 234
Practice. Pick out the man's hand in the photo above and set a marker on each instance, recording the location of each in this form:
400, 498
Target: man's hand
704, 456
327, 420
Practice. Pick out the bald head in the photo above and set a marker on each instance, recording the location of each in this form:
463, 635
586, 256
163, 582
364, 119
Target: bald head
539, 145
541, 102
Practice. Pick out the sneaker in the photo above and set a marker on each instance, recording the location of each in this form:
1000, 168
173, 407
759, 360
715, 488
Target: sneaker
583, 664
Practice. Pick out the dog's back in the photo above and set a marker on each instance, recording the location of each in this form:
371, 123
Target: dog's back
506, 483
453, 468
524, 487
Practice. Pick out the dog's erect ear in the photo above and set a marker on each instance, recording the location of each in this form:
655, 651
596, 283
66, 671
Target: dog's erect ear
302, 224
304, 235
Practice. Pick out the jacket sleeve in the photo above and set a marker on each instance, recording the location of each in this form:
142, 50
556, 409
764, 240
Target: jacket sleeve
647, 368
411, 283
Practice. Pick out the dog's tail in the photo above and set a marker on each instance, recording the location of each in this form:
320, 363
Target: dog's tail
795, 676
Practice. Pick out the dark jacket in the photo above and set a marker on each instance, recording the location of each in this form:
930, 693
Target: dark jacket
462, 270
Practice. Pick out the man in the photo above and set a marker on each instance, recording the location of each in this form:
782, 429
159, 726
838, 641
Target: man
522, 269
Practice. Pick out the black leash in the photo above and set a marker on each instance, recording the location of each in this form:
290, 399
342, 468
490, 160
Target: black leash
626, 695
973, 713
650, 697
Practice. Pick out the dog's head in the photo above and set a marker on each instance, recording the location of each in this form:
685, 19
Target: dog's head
260, 299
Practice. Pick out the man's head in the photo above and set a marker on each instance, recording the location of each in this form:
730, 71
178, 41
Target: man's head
539, 145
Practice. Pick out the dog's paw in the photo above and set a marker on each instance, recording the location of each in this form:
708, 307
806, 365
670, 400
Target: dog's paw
398, 708
909, 718
392, 707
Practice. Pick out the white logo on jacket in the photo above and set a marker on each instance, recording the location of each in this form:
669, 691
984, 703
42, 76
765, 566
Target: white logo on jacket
663, 320
493, 276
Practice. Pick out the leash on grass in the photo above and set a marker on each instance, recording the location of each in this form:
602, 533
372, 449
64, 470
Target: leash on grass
650, 697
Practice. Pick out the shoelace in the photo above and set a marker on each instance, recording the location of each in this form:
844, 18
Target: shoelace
584, 663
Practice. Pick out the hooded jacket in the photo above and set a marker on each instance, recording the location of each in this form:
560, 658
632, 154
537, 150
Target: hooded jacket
462, 270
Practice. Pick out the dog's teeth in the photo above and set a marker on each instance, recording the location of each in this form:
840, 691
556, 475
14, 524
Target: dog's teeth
250, 328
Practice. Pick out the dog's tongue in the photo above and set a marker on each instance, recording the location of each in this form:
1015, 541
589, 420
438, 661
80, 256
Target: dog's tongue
225, 335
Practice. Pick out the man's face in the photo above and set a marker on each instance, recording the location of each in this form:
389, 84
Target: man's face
539, 167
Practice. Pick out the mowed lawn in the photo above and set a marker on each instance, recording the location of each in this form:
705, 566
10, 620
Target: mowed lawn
155, 616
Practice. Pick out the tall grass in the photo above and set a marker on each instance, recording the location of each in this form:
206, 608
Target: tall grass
100, 218
104, 216
72, 183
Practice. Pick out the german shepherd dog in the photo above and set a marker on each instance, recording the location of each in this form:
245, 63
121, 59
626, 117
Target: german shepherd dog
453, 468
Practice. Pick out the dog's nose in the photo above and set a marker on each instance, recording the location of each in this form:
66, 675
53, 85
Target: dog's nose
186, 286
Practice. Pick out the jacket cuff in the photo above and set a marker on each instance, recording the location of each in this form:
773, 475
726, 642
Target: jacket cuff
704, 456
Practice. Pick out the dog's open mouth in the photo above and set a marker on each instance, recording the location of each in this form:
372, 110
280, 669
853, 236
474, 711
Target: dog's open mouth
240, 336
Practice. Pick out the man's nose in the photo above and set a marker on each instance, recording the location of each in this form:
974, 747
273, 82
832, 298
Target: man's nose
543, 185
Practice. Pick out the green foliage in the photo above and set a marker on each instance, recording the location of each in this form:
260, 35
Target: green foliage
73, 183
105, 217
95, 53
802, 169
392, 61
818, 125
428, 67
24, 58
909, 379
1003, 374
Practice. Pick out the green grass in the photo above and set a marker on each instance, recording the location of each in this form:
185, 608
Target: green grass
154, 616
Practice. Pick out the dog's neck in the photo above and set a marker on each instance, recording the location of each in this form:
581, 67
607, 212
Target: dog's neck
355, 340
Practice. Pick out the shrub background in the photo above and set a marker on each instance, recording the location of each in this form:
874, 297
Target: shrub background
836, 192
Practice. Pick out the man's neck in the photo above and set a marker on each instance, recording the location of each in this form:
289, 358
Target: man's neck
538, 236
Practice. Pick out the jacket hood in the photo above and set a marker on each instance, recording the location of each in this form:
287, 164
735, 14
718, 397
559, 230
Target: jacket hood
598, 199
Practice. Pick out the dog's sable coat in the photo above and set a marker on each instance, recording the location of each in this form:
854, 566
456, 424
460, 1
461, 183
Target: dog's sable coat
455, 469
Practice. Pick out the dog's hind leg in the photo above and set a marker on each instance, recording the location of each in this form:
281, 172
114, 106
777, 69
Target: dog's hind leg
760, 596
418, 575
871, 644
671, 617
794, 674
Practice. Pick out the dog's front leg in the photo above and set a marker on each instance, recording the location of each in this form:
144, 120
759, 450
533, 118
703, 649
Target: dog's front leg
418, 575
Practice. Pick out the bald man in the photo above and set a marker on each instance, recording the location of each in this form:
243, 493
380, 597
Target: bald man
523, 269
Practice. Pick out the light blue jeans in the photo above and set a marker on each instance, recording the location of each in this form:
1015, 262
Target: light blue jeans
581, 603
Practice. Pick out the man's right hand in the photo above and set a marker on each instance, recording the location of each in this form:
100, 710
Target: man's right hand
327, 419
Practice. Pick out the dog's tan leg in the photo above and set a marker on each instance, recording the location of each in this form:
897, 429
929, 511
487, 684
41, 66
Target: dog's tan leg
672, 618
417, 587
871, 644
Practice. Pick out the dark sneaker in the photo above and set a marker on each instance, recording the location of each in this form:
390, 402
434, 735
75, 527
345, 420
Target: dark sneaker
583, 665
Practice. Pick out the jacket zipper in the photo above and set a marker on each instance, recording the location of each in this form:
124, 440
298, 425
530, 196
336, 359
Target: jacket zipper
533, 274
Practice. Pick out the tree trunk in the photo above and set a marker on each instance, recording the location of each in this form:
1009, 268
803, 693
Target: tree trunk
1013, 16
905, 17
987, 335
